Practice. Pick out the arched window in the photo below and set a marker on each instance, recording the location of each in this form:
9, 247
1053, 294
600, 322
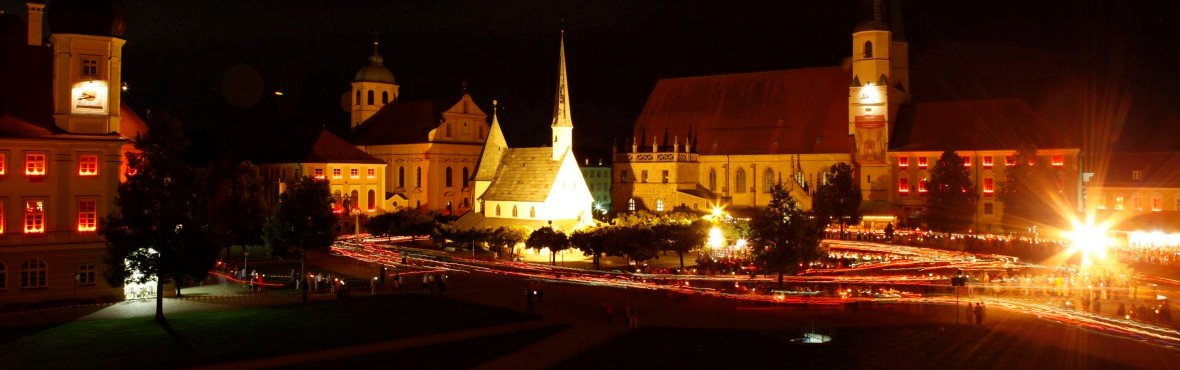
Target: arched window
358, 97
370, 97
497, 210
532, 212
418, 177
465, 177
514, 213
356, 200
384, 97
659, 205
712, 179
372, 200
740, 180
32, 273
448, 178
868, 49
767, 180
401, 177
631, 204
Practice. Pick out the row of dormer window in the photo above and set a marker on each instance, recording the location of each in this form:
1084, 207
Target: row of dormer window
338, 173
1057, 160
37, 164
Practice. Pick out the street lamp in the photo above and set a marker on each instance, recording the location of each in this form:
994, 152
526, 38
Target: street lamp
245, 260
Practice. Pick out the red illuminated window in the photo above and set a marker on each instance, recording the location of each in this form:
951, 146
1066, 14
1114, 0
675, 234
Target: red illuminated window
88, 165
336, 173
903, 186
1, 224
922, 186
372, 173
35, 164
903, 162
1058, 160
34, 217
1118, 203
987, 161
1010, 160
3, 163
354, 173
966, 161
319, 173
87, 215
922, 162
989, 187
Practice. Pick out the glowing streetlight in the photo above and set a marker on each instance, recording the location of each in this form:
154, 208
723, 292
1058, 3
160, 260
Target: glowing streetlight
716, 241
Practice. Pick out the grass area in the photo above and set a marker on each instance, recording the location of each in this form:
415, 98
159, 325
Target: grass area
208, 337
454, 355
896, 347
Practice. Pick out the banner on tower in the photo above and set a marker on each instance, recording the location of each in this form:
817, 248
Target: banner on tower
870, 139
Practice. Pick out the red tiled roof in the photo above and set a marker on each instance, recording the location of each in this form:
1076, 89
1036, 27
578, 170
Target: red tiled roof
130, 125
787, 111
17, 128
1159, 170
318, 146
401, 123
977, 125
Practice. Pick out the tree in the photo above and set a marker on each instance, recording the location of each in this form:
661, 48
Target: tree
159, 226
952, 198
237, 206
782, 238
681, 236
592, 242
507, 237
547, 237
1023, 203
838, 199
302, 222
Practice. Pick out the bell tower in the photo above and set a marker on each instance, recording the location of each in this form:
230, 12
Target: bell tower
874, 95
372, 88
87, 40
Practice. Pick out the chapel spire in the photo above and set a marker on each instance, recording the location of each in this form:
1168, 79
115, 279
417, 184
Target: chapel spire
563, 125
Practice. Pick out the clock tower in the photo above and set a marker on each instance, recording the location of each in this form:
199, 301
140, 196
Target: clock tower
87, 41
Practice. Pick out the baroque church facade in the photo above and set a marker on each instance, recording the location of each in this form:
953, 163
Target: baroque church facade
725, 140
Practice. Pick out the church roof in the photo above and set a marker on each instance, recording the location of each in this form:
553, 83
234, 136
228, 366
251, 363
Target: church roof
785, 111
986, 124
13, 127
375, 71
1158, 170
402, 123
319, 146
524, 174
493, 150
476, 220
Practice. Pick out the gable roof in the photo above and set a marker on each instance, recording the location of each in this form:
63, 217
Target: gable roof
787, 111
318, 146
987, 124
524, 174
401, 123
1158, 170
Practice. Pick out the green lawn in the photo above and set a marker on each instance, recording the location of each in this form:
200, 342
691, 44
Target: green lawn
210, 337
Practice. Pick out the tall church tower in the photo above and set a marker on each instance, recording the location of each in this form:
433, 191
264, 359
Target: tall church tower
880, 79
563, 125
372, 89
87, 41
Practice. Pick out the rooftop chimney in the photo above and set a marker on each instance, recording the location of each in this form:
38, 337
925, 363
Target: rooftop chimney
36, 13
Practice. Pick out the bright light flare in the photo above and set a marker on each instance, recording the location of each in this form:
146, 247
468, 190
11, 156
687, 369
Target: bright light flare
715, 239
1090, 240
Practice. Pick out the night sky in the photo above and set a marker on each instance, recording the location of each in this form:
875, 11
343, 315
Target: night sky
1071, 60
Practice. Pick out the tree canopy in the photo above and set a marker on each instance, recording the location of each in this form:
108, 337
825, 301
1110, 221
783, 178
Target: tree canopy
547, 237
237, 205
951, 199
783, 239
838, 199
160, 208
302, 221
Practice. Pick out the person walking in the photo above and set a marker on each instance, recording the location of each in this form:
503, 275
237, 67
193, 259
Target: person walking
979, 313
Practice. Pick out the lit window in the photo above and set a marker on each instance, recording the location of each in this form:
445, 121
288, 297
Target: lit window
966, 161
1058, 160
34, 217
1010, 160
987, 161
989, 187
87, 215
922, 162
336, 173
86, 274
372, 173
35, 164
922, 186
631, 204
88, 165
1118, 203
1, 222
903, 162
1157, 204
3, 163
659, 205
903, 186
32, 274
319, 173
354, 173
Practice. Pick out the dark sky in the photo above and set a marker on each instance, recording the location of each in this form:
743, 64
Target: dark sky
1053, 53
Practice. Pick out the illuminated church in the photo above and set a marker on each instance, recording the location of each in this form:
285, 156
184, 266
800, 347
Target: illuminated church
63, 135
725, 140
532, 187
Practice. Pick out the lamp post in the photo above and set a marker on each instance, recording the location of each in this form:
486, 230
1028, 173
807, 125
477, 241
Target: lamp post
245, 260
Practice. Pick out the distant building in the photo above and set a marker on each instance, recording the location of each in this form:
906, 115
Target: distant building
596, 169
725, 140
63, 135
1139, 190
532, 187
